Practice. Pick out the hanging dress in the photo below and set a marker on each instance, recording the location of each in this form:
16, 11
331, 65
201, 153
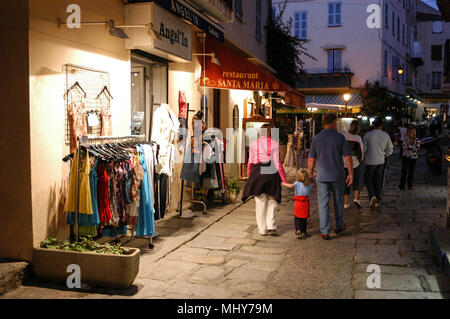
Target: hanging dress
146, 222
103, 194
290, 159
84, 199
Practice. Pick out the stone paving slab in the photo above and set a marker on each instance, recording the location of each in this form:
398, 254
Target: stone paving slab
395, 282
417, 271
378, 294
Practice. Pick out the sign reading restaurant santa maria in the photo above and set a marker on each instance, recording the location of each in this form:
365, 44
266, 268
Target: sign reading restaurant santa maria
175, 35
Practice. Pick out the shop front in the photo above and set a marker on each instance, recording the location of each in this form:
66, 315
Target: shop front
245, 99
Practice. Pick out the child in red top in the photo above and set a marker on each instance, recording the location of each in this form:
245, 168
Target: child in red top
302, 188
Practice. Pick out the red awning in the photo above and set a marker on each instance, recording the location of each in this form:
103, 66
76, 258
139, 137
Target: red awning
237, 73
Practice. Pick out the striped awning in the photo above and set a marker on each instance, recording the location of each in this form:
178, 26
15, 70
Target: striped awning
333, 100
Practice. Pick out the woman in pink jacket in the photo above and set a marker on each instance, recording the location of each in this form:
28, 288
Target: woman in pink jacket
266, 176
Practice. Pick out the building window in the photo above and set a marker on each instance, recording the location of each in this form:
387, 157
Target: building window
436, 52
438, 27
386, 15
334, 14
393, 24
398, 29
386, 62
238, 9
334, 61
300, 24
403, 36
258, 20
436, 80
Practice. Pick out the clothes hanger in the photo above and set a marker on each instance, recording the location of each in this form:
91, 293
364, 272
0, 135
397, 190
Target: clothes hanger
105, 89
78, 86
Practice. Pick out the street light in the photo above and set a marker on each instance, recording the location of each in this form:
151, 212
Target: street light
400, 70
346, 99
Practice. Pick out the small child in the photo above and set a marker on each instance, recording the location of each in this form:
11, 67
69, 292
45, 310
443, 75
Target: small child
302, 188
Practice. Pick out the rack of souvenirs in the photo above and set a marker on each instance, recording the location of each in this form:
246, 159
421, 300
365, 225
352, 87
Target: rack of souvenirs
111, 187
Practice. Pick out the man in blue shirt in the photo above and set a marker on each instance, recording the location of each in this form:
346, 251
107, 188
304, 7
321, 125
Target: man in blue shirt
328, 149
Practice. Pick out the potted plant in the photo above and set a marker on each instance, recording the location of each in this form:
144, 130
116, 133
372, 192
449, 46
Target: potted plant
233, 189
110, 266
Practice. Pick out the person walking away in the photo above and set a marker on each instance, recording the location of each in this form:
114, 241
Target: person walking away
433, 127
355, 143
266, 174
440, 124
403, 136
302, 186
377, 146
328, 149
411, 147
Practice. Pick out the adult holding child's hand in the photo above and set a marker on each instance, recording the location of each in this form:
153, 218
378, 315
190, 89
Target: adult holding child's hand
266, 176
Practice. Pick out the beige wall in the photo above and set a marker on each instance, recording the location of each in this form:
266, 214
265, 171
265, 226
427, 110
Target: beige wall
15, 193
50, 48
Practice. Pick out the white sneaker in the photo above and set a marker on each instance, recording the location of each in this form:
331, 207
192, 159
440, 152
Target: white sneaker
346, 206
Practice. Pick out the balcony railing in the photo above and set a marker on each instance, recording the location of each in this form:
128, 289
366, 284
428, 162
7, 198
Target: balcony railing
334, 79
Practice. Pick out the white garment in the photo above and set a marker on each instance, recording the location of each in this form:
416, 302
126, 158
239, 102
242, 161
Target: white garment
164, 132
403, 133
354, 138
148, 153
266, 213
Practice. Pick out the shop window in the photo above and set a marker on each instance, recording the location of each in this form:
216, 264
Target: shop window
386, 57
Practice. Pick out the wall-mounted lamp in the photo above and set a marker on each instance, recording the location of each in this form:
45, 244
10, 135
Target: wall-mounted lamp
400, 70
116, 30
212, 55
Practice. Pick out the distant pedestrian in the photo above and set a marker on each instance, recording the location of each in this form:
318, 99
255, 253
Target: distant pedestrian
377, 147
302, 188
411, 147
355, 143
433, 127
266, 173
403, 135
440, 125
328, 149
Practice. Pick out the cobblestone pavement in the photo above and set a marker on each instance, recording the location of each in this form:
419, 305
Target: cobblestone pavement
221, 255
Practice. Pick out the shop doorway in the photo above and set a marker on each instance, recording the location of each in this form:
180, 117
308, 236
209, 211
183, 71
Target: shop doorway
149, 83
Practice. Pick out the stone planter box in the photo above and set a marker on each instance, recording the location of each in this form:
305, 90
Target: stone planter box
101, 270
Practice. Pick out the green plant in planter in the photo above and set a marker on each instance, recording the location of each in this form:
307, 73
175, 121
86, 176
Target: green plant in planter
233, 186
86, 244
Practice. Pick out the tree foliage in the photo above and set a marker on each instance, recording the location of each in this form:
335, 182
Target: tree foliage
284, 52
377, 102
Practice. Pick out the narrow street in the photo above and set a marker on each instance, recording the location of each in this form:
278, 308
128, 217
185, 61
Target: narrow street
221, 255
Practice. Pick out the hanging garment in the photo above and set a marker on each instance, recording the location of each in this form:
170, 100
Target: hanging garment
138, 175
160, 196
149, 159
77, 123
112, 197
103, 194
105, 116
190, 171
146, 223
164, 131
119, 174
182, 114
84, 200
290, 158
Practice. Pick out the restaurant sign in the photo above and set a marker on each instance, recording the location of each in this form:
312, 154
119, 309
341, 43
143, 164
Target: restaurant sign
236, 72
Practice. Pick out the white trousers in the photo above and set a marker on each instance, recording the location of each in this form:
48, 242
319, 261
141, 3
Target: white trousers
266, 213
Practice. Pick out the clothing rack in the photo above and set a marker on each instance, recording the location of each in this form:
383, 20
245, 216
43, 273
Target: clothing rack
84, 141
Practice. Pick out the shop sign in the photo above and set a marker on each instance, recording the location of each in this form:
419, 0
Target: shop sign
180, 10
235, 72
175, 35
